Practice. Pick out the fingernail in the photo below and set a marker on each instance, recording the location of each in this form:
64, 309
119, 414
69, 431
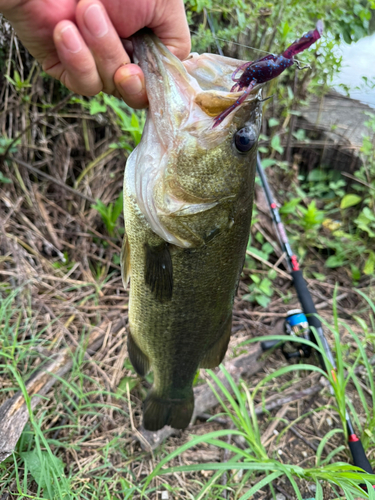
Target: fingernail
70, 39
95, 21
131, 85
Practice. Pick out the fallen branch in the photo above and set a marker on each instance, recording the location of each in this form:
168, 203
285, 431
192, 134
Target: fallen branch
14, 413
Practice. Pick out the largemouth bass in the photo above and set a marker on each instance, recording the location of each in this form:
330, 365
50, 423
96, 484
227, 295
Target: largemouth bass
188, 195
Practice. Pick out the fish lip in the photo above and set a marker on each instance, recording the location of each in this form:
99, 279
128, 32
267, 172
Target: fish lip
212, 85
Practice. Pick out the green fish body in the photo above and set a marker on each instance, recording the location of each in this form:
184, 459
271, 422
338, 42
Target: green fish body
188, 195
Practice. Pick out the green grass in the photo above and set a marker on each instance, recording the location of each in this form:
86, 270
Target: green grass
75, 415
261, 470
75, 411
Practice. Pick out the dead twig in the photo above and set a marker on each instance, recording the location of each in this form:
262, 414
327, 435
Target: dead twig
53, 179
264, 261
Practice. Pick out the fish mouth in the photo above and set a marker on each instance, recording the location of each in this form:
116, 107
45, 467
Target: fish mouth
180, 89
184, 98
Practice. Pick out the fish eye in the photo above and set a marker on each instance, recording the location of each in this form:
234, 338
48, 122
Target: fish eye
244, 139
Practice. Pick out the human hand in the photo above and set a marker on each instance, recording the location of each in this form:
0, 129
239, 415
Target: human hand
79, 44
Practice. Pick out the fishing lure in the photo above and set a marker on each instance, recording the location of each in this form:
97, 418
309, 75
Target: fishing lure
267, 68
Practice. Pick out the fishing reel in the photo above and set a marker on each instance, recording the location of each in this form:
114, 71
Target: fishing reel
297, 326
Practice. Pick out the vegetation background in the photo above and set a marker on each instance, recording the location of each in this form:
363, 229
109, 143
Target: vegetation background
62, 161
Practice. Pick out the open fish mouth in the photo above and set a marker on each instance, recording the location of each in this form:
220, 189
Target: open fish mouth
184, 98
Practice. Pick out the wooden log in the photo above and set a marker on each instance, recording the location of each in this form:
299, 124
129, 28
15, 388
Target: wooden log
14, 413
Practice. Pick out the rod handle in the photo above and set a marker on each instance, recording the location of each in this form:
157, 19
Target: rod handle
359, 456
305, 299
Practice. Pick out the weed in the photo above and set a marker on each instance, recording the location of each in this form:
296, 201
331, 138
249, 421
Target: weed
7, 145
110, 213
4, 179
260, 290
17, 81
129, 121
261, 470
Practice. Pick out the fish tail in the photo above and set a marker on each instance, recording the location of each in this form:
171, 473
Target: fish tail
159, 411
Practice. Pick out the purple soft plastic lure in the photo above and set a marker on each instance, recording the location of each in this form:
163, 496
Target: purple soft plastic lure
267, 68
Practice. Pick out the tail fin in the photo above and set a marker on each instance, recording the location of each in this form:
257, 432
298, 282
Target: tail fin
158, 412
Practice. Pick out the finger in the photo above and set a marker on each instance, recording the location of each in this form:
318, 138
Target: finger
165, 17
171, 26
130, 83
75, 65
102, 40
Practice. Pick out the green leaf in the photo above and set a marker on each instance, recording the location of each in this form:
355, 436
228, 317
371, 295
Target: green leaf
255, 278
335, 261
312, 217
248, 296
276, 144
259, 237
43, 466
117, 208
290, 92
267, 248
10, 80
97, 107
268, 162
4, 179
122, 389
257, 252
350, 200
370, 264
262, 300
266, 287
300, 135
362, 323
289, 207
101, 208
368, 214
272, 274
17, 78
317, 175
319, 276
285, 29
356, 273
272, 122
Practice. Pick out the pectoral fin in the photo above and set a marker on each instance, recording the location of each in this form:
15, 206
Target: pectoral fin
159, 271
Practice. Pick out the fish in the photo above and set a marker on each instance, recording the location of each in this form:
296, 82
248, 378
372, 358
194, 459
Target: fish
188, 196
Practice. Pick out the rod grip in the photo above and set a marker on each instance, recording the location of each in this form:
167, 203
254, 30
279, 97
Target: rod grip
359, 456
305, 299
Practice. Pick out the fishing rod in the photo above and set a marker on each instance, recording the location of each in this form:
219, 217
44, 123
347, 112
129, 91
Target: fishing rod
314, 326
